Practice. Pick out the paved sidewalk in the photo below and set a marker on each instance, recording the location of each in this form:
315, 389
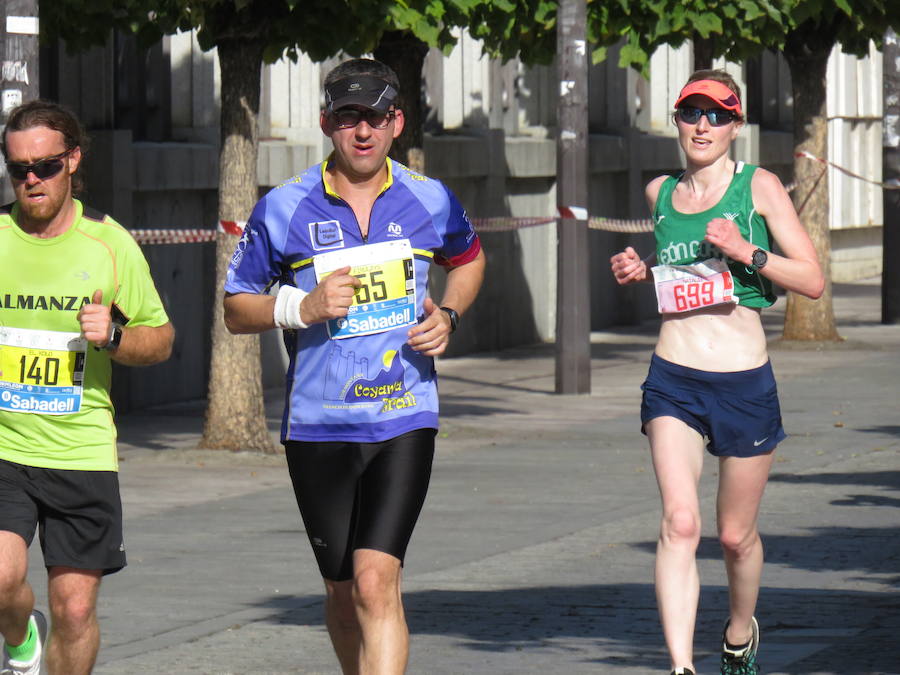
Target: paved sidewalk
534, 552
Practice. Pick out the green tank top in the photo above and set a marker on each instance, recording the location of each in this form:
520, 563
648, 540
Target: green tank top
681, 237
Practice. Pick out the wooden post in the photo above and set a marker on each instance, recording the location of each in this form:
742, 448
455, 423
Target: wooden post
573, 309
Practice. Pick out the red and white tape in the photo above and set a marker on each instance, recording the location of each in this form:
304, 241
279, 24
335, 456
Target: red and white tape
893, 184
499, 224
235, 227
572, 212
189, 236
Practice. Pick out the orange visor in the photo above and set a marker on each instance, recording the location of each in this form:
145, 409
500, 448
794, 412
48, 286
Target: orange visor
713, 90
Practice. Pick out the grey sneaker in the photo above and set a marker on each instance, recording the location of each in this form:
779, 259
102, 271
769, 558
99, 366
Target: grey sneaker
741, 660
32, 667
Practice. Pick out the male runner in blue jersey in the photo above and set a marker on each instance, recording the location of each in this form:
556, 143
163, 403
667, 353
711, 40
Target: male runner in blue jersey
350, 242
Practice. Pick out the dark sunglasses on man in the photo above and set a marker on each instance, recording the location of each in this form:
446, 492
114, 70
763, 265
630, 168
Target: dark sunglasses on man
347, 118
718, 117
43, 168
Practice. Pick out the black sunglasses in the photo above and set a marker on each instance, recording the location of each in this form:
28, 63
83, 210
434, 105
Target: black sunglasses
718, 117
347, 118
43, 168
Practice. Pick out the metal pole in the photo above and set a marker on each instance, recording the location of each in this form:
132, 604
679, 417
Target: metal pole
20, 54
573, 320
19, 74
890, 274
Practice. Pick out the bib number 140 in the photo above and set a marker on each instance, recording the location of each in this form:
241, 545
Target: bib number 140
30, 370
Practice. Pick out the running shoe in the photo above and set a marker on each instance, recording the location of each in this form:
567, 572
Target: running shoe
682, 671
33, 666
742, 660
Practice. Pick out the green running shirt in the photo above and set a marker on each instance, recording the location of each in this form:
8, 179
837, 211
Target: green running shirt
681, 237
43, 284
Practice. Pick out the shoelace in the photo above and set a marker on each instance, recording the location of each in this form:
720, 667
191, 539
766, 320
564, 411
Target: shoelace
744, 664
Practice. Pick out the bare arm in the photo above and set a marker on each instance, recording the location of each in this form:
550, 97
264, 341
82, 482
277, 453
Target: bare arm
252, 313
627, 266
144, 345
798, 269
139, 345
432, 335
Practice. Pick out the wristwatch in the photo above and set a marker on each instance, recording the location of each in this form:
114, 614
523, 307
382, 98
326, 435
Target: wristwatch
454, 317
758, 260
115, 337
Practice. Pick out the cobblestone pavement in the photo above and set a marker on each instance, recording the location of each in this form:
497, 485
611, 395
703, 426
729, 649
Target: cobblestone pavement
534, 552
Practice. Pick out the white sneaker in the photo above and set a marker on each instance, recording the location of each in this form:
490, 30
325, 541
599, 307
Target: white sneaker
32, 667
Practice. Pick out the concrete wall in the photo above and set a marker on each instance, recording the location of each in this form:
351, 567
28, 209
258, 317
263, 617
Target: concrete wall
492, 129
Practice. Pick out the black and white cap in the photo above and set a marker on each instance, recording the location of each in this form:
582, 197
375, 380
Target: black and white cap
365, 90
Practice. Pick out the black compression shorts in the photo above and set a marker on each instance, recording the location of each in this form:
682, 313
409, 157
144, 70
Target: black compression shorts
79, 514
360, 495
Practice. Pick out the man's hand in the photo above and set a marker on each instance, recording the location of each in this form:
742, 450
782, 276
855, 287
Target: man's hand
331, 298
96, 321
432, 336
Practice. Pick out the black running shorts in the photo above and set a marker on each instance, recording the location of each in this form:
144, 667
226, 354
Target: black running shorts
78, 513
360, 495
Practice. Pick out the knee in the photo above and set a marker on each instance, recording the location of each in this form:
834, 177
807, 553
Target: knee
11, 583
72, 613
681, 526
737, 542
375, 590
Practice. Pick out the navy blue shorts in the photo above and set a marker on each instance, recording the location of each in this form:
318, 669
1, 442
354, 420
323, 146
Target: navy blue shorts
738, 412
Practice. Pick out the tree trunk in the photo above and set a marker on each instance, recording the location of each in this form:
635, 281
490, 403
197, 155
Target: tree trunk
405, 54
807, 50
703, 52
235, 414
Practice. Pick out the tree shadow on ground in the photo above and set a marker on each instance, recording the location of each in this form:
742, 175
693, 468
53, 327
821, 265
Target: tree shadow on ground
601, 625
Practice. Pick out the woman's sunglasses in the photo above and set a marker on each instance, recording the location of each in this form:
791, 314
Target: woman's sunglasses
347, 118
718, 117
43, 169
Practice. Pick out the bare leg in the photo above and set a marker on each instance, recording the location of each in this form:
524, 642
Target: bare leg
75, 632
343, 626
365, 617
384, 647
16, 595
742, 481
677, 452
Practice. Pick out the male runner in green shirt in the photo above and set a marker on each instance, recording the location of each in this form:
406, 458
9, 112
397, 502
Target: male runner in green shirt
75, 293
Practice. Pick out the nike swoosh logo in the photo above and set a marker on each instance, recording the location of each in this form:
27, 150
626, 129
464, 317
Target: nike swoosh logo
756, 444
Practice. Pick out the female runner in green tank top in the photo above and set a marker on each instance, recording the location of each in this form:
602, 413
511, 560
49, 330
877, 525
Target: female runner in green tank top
714, 272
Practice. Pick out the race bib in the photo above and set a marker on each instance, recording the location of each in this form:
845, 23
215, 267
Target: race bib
387, 297
41, 372
683, 288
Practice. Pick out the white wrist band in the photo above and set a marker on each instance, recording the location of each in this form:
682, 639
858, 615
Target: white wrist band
287, 307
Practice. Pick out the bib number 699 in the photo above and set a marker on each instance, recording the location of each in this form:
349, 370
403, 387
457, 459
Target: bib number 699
693, 295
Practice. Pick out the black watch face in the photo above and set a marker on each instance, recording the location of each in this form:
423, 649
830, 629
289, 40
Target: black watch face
760, 258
